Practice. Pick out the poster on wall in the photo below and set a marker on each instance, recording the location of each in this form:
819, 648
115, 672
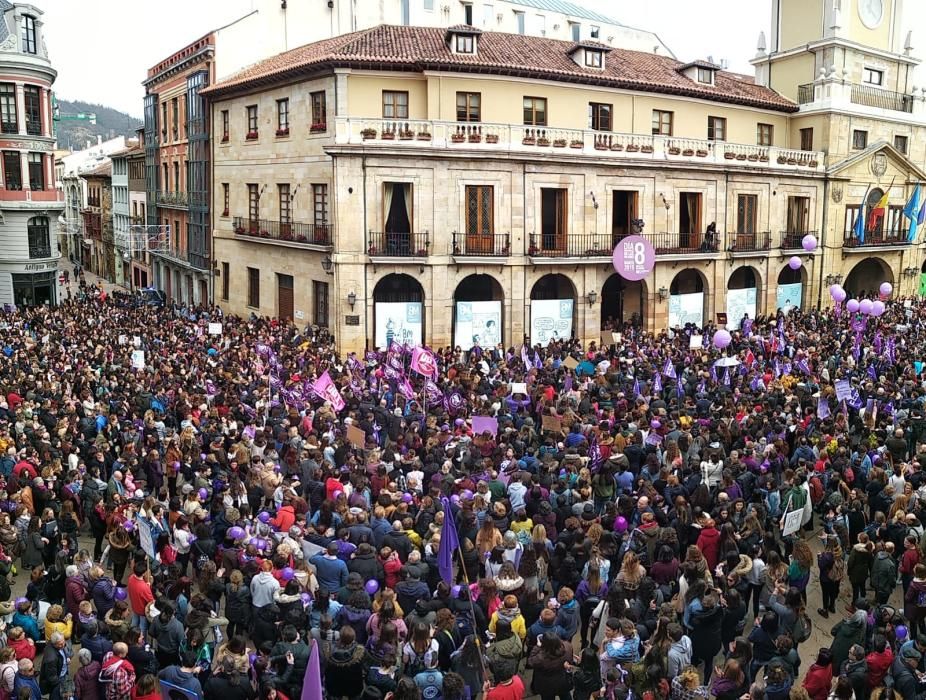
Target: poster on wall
398, 322
923, 285
788, 296
478, 323
551, 319
739, 302
686, 308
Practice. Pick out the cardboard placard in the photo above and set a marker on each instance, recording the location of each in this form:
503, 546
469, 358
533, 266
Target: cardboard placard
519, 388
356, 436
215, 329
482, 424
138, 359
571, 362
696, 342
552, 423
843, 389
616, 337
792, 522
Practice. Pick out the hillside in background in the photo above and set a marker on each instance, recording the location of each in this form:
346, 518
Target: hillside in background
110, 123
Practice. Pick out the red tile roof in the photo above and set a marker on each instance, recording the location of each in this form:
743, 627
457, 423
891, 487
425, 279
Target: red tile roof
424, 48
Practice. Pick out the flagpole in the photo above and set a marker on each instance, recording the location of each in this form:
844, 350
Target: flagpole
472, 607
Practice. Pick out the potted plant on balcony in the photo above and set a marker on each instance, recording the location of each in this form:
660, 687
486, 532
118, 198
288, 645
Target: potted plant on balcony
532, 250
424, 135
368, 134
782, 160
371, 250
406, 134
729, 155
741, 156
688, 152
301, 239
474, 137
239, 230
491, 138
387, 135
577, 143
251, 135
559, 143
615, 146
632, 148
457, 137
543, 141
763, 157
283, 132
753, 157
792, 160
646, 149
674, 150
318, 128
701, 153
422, 253
265, 233
812, 163
286, 236
528, 140
601, 145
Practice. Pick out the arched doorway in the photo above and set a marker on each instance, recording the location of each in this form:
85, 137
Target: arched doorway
553, 302
789, 294
687, 299
398, 311
865, 278
622, 301
742, 295
478, 304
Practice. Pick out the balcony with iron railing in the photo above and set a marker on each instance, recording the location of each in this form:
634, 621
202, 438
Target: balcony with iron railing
748, 243
481, 245
391, 244
293, 232
183, 257
877, 238
794, 240
871, 96
837, 91
610, 147
587, 247
173, 200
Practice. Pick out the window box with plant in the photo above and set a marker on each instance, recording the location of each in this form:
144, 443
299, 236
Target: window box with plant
406, 135
368, 134
533, 249
763, 158
388, 136
318, 128
646, 149
701, 153
491, 138
688, 152
457, 138
424, 136
752, 157
729, 155
559, 143
251, 136
782, 160
617, 146
741, 156
528, 141
811, 164
265, 233
632, 148
283, 132
239, 230
577, 143
302, 239
543, 141
475, 137
674, 150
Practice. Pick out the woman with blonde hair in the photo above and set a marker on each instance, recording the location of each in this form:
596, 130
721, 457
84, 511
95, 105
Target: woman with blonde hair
800, 566
57, 621
631, 573
488, 537
687, 685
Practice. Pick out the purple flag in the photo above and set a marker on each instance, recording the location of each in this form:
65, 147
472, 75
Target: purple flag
872, 373
312, 681
679, 389
424, 362
803, 366
328, 391
714, 374
823, 409
657, 385
567, 385
636, 388
406, 388
726, 376
449, 543
525, 357
668, 369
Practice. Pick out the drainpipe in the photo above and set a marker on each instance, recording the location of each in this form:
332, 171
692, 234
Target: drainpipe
366, 292
822, 241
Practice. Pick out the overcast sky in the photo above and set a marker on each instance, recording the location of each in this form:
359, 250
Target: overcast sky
102, 48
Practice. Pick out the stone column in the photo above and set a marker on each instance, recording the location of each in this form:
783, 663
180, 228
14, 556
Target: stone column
21, 108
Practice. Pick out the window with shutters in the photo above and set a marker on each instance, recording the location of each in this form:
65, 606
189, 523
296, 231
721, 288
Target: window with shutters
479, 210
716, 129
319, 111
535, 111
395, 104
253, 206
320, 295
253, 287
746, 208
469, 106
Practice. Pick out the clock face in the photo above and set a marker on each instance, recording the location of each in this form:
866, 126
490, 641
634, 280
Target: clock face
871, 12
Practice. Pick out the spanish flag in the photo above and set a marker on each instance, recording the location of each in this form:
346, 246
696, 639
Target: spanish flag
878, 210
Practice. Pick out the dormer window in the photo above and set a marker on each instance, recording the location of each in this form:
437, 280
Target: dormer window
706, 76
463, 39
28, 34
701, 72
593, 59
465, 43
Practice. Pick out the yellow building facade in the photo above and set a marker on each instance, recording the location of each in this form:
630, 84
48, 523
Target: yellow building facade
453, 186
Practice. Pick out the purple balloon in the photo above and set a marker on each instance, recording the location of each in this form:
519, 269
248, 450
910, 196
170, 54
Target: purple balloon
264, 517
371, 586
288, 574
877, 308
795, 263
886, 288
852, 305
837, 293
809, 243
722, 339
455, 591
306, 598
121, 594
203, 494
620, 524
21, 600
466, 495
129, 526
236, 533
655, 424
337, 494
455, 499
865, 306
900, 631
407, 498
252, 657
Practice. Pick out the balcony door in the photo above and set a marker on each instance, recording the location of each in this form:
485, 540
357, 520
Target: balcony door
397, 217
479, 219
553, 219
747, 209
285, 296
689, 219
623, 213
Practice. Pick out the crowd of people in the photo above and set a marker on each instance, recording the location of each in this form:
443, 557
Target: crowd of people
648, 519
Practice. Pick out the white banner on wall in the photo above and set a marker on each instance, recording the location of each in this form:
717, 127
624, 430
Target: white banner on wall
551, 319
478, 323
789, 296
398, 322
686, 308
739, 302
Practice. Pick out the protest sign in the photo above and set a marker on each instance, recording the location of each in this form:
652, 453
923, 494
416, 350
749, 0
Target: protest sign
356, 436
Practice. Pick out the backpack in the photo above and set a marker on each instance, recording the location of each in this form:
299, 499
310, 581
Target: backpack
838, 572
201, 558
800, 631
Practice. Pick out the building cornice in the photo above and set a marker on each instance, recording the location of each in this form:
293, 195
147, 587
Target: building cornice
826, 43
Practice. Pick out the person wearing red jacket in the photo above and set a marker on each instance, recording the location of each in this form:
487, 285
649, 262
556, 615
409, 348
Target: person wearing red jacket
910, 558
286, 516
879, 661
819, 677
709, 544
391, 566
